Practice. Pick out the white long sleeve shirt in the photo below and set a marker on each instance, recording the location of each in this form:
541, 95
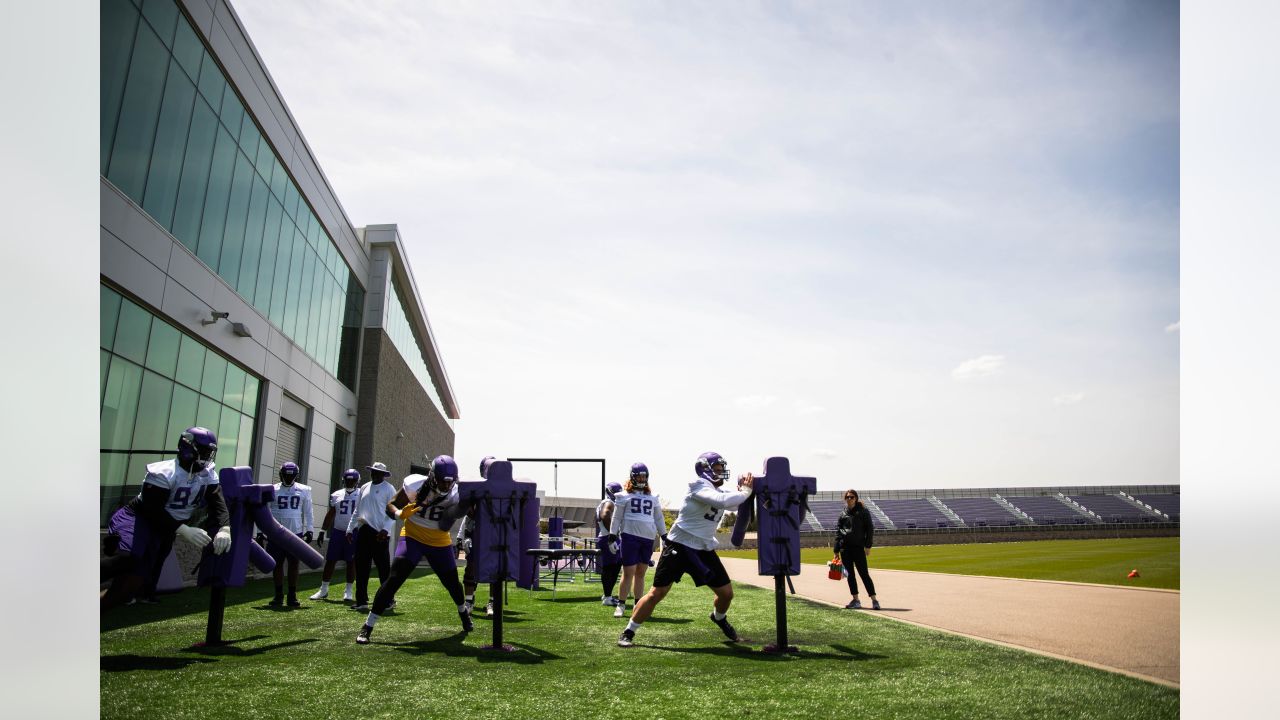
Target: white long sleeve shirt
638, 514
371, 508
701, 513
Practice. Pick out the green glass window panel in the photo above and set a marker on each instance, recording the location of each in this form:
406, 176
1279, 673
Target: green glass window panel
163, 16
291, 201
153, 413
244, 445
249, 138
119, 405
208, 414
322, 328
188, 49
132, 331
295, 274
109, 313
249, 260
232, 112
280, 284
139, 110
215, 202
228, 432
279, 178
212, 84
304, 299
251, 395
104, 364
266, 158
233, 391
237, 213
169, 146
267, 266
318, 238
215, 376
119, 21
316, 312
162, 349
195, 175
190, 362
112, 469
182, 413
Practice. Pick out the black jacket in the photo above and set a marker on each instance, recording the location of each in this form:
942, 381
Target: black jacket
854, 528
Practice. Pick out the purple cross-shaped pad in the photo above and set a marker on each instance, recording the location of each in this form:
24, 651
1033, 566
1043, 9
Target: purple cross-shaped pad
502, 508
776, 500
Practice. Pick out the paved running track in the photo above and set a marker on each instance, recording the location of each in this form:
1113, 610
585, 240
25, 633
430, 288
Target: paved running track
1133, 631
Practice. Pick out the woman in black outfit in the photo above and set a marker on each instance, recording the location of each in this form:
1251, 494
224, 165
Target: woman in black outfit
853, 545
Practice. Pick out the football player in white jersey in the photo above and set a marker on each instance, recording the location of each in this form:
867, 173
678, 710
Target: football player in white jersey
608, 561
292, 509
637, 522
691, 543
370, 530
141, 533
428, 504
342, 505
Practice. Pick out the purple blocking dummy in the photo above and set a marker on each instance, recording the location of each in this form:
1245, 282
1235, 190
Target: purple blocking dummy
502, 514
780, 501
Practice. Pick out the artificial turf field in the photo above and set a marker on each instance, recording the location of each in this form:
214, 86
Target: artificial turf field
303, 663
1106, 561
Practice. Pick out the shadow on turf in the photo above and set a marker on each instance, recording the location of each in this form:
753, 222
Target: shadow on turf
743, 650
228, 647
129, 663
562, 599
452, 646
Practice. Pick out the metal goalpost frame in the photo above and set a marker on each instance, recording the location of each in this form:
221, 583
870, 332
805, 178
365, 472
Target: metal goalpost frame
556, 468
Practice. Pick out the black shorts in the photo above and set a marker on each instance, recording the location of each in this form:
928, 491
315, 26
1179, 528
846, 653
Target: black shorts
703, 566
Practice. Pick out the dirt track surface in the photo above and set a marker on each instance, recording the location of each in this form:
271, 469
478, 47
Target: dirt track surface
1129, 630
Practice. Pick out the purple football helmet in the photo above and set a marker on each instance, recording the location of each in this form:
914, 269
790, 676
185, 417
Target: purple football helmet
640, 477
197, 447
612, 489
706, 468
350, 477
484, 465
289, 473
444, 473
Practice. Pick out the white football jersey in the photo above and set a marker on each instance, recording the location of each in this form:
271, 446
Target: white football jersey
186, 491
434, 518
701, 514
371, 508
638, 514
600, 527
292, 507
343, 503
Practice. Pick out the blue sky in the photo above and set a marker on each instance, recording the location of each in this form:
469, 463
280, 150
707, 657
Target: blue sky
904, 244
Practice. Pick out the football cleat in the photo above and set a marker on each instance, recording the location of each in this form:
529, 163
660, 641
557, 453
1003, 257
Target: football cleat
321, 594
293, 601
875, 604
277, 601
620, 610
607, 601
361, 607
726, 628
363, 637
627, 638
465, 617
348, 597
488, 609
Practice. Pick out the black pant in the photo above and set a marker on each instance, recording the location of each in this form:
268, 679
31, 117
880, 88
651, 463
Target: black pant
401, 569
369, 549
857, 558
609, 577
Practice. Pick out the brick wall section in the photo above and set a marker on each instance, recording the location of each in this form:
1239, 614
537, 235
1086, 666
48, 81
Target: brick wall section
392, 402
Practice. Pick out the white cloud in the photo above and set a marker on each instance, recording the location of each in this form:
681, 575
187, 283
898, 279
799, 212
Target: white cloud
1068, 398
825, 454
982, 366
808, 409
755, 402
1173, 327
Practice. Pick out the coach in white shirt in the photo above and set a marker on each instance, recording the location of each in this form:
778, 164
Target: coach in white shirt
370, 529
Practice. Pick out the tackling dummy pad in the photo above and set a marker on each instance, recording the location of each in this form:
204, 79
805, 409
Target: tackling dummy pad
503, 526
780, 501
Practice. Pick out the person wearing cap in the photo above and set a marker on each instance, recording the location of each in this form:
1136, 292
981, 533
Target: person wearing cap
608, 561
370, 530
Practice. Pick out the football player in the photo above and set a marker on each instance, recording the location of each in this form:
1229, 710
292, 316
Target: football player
608, 561
428, 505
637, 522
141, 533
342, 505
691, 543
370, 530
292, 509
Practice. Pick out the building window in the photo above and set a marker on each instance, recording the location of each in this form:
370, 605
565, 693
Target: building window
406, 340
340, 462
177, 140
156, 381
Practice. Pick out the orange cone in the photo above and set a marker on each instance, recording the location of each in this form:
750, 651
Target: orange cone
1134, 573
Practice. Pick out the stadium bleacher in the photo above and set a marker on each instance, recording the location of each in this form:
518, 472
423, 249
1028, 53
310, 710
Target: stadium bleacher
1169, 504
1048, 510
981, 511
914, 513
1112, 509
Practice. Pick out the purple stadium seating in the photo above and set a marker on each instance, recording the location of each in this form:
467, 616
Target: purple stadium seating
1048, 510
1112, 509
914, 513
1169, 504
981, 511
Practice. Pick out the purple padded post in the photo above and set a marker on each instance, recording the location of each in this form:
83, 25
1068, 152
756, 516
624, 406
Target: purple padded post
241, 496
778, 500
529, 539
501, 508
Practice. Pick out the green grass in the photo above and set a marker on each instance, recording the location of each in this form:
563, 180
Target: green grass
1091, 561
303, 663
